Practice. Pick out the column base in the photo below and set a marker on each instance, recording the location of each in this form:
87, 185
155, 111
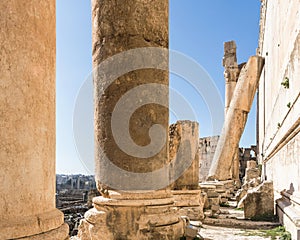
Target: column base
190, 203
48, 225
133, 216
61, 233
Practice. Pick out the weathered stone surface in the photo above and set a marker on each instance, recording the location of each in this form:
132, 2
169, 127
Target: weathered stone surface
251, 164
133, 216
207, 148
243, 191
138, 214
278, 106
27, 120
186, 135
117, 28
252, 173
259, 201
190, 203
288, 211
231, 72
236, 119
60, 233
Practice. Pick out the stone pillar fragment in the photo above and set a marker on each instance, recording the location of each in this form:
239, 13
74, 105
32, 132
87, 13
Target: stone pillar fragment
236, 118
27, 122
184, 148
186, 134
231, 74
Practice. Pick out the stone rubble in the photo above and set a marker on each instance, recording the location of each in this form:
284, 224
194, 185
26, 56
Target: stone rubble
259, 202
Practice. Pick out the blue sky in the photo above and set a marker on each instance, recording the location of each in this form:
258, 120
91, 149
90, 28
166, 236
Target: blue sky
198, 28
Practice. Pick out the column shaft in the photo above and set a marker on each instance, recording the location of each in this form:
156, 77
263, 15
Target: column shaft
27, 120
118, 27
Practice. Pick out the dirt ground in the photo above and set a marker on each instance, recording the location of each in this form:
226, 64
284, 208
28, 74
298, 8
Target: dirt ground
226, 233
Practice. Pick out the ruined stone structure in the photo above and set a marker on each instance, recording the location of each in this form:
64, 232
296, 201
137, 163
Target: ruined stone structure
183, 148
258, 202
235, 119
279, 106
231, 74
245, 155
207, 148
27, 122
190, 178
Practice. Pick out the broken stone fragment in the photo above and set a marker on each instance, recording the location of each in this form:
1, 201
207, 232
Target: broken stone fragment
259, 202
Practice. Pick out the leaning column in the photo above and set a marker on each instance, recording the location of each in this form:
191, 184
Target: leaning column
131, 123
27, 122
236, 118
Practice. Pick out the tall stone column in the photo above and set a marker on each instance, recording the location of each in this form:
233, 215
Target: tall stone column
124, 141
120, 26
231, 74
236, 118
27, 122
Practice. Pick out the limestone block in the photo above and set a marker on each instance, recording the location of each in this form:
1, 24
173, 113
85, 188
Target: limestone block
212, 194
215, 208
213, 201
186, 135
190, 203
205, 201
207, 148
252, 183
251, 164
259, 201
252, 173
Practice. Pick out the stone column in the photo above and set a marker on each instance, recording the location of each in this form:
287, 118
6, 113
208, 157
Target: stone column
27, 122
231, 74
236, 118
119, 26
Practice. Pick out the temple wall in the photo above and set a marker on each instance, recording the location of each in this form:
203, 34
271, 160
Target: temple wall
279, 104
278, 107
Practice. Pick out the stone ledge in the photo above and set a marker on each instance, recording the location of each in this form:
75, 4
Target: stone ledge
101, 201
237, 223
289, 217
289, 210
25, 226
61, 233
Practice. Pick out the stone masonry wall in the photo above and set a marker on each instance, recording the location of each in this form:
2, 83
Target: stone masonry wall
279, 105
207, 147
